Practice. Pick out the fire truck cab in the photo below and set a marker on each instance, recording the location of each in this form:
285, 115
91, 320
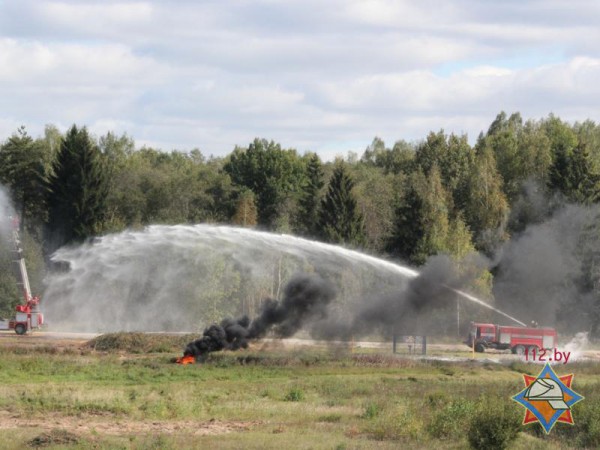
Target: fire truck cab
517, 339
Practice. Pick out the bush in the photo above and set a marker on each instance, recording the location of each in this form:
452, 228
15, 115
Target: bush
395, 424
585, 433
371, 411
450, 420
294, 395
494, 425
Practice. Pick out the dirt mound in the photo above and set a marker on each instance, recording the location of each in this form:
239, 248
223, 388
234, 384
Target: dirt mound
54, 437
141, 342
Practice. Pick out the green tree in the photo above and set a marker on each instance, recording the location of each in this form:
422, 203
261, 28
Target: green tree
22, 169
535, 153
434, 216
562, 142
272, 173
486, 209
408, 229
573, 171
376, 192
116, 151
422, 226
503, 140
431, 152
453, 156
245, 214
151, 186
339, 218
399, 159
77, 190
584, 180
308, 210
588, 134
522, 152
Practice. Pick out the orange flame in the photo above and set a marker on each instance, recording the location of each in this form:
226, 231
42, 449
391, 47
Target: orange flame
189, 359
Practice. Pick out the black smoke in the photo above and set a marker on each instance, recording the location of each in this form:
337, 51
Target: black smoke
548, 272
409, 311
307, 304
305, 298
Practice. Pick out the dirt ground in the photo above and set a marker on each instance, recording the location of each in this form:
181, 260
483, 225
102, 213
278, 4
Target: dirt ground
93, 423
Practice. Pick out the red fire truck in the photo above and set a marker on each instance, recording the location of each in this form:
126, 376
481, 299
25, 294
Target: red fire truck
27, 316
488, 335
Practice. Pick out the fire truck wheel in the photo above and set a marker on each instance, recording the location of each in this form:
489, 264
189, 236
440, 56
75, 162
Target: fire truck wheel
533, 348
520, 349
20, 329
479, 348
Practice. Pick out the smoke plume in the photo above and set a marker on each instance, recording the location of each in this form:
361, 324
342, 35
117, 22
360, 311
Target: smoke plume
305, 298
547, 272
307, 304
6, 213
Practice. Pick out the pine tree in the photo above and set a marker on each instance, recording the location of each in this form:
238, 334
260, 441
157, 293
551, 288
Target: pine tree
308, 214
421, 222
585, 180
573, 171
408, 228
77, 190
22, 170
339, 218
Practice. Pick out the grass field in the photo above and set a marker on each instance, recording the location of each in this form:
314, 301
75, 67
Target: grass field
127, 393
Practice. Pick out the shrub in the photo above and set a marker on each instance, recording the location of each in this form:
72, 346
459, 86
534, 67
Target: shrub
585, 433
371, 411
494, 424
331, 418
451, 419
395, 424
294, 395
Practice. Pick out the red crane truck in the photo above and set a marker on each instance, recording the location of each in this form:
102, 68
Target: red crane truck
517, 339
27, 316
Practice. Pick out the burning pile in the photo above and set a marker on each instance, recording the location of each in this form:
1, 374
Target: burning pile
306, 297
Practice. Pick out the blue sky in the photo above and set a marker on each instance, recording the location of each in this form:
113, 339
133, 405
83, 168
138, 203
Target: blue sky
312, 75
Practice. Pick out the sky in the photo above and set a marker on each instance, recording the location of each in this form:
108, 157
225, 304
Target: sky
323, 76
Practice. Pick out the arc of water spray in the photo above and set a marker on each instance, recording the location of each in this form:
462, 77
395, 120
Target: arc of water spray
403, 270
88, 262
414, 274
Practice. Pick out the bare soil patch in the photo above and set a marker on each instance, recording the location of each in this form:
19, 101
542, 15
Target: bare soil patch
86, 424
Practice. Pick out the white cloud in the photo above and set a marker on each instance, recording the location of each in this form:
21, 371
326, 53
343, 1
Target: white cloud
118, 14
312, 75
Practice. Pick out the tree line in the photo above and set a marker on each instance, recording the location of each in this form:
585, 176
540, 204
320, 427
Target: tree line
408, 201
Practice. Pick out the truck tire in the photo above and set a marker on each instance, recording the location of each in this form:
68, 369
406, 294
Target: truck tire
20, 329
531, 349
519, 350
479, 348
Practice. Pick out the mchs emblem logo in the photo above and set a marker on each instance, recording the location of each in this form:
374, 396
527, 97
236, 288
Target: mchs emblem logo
548, 398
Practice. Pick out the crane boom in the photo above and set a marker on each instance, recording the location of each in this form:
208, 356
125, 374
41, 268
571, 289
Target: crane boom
23, 280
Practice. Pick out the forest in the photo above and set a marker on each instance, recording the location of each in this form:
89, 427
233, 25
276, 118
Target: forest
522, 184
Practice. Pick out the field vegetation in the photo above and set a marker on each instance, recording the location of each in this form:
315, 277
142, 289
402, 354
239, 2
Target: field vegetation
110, 394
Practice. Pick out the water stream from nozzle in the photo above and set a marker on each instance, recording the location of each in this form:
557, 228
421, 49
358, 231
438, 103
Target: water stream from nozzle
121, 280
